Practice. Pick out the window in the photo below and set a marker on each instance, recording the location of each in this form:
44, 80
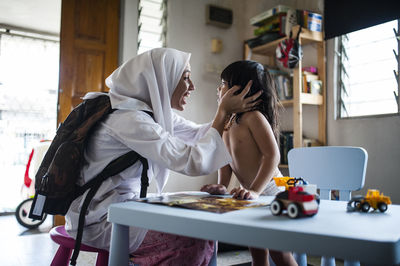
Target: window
152, 24
368, 67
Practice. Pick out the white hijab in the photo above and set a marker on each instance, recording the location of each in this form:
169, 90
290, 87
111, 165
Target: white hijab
149, 78
146, 82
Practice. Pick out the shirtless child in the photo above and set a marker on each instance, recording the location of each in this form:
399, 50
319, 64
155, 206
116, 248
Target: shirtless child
251, 139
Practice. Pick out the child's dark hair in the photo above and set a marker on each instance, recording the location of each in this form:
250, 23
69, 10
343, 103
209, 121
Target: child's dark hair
240, 73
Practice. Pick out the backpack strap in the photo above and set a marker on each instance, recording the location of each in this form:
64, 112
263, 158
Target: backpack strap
82, 214
144, 179
116, 166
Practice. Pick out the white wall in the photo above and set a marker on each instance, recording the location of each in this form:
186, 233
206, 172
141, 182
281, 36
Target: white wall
187, 31
128, 30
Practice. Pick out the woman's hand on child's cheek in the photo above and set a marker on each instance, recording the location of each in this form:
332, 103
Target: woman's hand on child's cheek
214, 189
241, 193
232, 103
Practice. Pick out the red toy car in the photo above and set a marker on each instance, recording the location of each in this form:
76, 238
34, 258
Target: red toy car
296, 201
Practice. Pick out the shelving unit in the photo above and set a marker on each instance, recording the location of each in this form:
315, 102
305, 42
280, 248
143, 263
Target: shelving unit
299, 98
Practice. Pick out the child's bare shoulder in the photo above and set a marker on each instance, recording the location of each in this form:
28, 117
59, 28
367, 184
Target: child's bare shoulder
253, 117
255, 120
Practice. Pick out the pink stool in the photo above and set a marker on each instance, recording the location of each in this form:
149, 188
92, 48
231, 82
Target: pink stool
61, 258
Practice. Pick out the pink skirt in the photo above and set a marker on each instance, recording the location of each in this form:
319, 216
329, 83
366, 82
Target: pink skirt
166, 249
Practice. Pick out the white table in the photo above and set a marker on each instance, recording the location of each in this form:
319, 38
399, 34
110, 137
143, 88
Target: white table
373, 238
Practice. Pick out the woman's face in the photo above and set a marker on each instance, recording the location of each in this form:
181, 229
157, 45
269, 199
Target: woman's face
182, 90
222, 89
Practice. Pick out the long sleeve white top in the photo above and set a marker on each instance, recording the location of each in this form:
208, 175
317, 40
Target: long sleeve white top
193, 150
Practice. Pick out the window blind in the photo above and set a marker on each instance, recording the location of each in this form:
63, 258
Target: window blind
368, 71
152, 24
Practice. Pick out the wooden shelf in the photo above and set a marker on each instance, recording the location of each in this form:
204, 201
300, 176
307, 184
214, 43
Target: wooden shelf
306, 98
306, 37
283, 166
268, 48
300, 99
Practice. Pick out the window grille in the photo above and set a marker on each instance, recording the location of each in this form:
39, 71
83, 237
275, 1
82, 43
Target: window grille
152, 24
367, 60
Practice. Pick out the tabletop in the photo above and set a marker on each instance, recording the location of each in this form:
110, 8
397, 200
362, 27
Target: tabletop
368, 237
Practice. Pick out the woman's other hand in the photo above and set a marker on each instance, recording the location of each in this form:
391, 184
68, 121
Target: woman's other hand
214, 189
231, 103
241, 193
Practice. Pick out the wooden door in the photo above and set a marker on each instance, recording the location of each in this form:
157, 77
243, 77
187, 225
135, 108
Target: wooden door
88, 52
88, 49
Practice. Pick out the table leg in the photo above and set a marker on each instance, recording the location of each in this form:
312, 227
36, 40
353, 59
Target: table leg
119, 248
351, 263
301, 258
213, 261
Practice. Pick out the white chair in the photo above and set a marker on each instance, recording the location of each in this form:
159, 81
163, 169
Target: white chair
330, 168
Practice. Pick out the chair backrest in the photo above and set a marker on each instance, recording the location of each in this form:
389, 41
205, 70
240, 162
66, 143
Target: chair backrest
330, 168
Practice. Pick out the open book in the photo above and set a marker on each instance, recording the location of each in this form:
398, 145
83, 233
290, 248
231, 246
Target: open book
203, 201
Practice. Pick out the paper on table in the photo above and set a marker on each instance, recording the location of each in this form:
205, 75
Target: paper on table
202, 201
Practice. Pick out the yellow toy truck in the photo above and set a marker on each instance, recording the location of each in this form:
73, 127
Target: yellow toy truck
373, 199
282, 181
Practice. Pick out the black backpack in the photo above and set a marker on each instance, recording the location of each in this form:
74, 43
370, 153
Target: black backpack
55, 181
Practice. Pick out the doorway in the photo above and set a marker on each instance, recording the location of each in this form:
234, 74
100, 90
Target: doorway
29, 67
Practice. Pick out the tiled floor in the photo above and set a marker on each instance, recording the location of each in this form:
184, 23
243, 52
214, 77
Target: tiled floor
22, 247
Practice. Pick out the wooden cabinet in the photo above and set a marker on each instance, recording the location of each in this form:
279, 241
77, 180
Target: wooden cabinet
299, 98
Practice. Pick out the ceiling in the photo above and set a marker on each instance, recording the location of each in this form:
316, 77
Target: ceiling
39, 15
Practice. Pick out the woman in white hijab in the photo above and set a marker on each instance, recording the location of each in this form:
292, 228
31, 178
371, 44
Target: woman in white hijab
155, 81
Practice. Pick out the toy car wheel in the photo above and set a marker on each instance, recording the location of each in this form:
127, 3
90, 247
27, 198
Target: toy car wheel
293, 210
351, 206
276, 207
365, 207
382, 207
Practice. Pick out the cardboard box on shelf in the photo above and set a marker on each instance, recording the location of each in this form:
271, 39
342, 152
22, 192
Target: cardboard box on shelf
307, 19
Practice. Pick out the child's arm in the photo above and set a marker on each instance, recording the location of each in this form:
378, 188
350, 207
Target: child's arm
263, 135
224, 177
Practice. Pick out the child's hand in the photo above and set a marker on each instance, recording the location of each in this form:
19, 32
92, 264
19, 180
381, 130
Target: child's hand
242, 193
214, 189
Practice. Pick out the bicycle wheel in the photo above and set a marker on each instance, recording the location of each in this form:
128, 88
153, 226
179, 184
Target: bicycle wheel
22, 212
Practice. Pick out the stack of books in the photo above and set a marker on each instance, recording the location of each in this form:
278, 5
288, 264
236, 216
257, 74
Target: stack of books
270, 25
278, 22
283, 83
272, 20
